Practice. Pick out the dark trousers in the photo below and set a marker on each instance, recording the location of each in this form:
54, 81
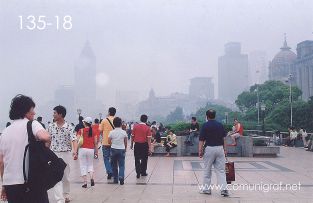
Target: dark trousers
168, 148
141, 151
19, 194
118, 163
291, 142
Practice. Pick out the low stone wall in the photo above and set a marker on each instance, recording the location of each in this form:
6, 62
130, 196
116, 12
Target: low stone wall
265, 150
244, 148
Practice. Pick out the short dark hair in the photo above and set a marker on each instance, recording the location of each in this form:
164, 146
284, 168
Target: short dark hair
96, 121
60, 110
39, 118
210, 113
20, 106
112, 111
117, 122
143, 118
193, 118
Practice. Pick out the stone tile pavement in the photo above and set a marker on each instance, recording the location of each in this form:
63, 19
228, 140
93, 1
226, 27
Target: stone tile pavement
176, 179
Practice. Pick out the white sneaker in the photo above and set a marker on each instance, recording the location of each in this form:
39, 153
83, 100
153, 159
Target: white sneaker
207, 192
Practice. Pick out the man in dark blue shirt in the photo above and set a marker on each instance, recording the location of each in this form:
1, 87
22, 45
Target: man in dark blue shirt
211, 139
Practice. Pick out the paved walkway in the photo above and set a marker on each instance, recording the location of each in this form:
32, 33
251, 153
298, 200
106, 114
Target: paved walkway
176, 179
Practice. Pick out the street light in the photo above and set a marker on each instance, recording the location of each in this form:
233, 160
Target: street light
263, 114
79, 111
258, 96
258, 103
290, 97
226, 117
100, 116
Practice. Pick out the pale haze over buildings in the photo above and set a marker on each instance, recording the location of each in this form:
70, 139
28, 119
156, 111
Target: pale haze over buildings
233, 72
258, 67
137, 45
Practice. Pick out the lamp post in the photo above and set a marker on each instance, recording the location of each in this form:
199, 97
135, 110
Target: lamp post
263, 114
226, 117
100, 116
258, 96
79, 112
290, 97
258, 104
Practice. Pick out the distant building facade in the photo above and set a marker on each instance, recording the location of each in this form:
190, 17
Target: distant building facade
282, 64
303, 67
201, 87
82, 94
201, 91
160, 107
85, 75
232, 73
126, 103
258, 67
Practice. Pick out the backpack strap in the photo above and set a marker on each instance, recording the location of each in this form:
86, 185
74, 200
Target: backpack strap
111, 123
31, 138
24, 163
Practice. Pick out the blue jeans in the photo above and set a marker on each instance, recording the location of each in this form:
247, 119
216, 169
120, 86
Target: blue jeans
106, 150
118, 162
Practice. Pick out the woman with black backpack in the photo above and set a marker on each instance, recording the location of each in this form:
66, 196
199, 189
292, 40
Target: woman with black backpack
12, 146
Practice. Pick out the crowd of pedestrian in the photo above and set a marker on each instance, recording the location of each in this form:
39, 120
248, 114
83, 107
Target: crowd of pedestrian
81, 142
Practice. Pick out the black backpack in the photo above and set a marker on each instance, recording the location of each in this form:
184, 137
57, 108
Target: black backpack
46, 169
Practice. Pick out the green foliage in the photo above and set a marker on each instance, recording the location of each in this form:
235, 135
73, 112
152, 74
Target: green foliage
275, 96
220, 112
175, 116
272, 93
302, 115
184, 126
179, 126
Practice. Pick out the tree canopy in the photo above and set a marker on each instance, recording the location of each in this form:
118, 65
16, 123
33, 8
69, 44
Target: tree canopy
271, 93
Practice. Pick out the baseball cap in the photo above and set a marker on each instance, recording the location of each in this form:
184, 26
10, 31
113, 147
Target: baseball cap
88, 120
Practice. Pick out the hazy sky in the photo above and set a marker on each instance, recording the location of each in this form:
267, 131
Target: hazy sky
140, 44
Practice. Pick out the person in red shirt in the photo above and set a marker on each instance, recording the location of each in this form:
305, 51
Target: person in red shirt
88, 150
141, 135
96, 127
238, 131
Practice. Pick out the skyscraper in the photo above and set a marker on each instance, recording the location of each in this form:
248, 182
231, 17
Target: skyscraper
85, 76
232, 72
303, 67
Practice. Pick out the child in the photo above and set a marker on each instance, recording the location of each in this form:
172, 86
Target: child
118, 141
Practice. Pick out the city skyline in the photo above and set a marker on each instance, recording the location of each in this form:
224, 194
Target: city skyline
138, 45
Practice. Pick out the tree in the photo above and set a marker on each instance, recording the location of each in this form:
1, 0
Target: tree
175, 116
271, 93
220, 112
279, 118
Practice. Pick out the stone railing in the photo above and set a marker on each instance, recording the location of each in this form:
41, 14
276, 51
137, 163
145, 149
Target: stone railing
244, 148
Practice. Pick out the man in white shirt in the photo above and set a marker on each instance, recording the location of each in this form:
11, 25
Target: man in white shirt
62, 138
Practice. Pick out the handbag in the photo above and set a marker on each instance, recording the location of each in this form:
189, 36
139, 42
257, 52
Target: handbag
81, 139
230, 171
